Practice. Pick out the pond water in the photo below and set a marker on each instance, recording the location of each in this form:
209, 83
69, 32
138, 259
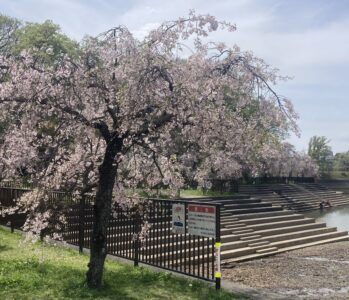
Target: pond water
333, 217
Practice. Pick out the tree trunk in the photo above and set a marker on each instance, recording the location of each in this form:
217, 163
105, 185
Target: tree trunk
102, 211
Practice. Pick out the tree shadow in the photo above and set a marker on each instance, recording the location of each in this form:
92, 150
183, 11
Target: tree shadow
52, 280
5, 248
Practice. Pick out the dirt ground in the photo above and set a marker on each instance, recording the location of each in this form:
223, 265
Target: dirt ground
320, 272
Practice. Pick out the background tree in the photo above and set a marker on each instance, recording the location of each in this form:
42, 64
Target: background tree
285, 161
126, 113
8, 30
320, 151
341, 162
44, 42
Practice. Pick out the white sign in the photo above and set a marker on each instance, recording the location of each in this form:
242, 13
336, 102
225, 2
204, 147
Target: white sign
202, 220
178, 218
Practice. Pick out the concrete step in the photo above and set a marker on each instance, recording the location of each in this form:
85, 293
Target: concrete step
287, 229
235, 228
255, 244
241, 206
308, 239
251, 210
272, 219
247, 234
265, 250
297, 234
325, 241
279, 224
228, 254
226, 231
230, 220
281, 250
234, 245
260, 215
250, 237
237, 197
272, 237
237, 201
229, 238
234, 225
242, 231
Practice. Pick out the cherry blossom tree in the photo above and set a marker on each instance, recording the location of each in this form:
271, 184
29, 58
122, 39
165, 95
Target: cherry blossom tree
284, 161
128, 113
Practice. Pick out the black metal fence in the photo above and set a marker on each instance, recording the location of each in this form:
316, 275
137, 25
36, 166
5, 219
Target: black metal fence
142, 232
232, 185
271, 180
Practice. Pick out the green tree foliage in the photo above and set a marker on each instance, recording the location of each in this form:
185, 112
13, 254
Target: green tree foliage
8, 29
45, 42
341, 161
321, 152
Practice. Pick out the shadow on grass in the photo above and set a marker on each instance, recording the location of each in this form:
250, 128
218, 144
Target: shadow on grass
35, 271
29, 278
5, 248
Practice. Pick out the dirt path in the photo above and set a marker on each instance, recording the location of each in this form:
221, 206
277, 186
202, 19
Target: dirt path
320, 272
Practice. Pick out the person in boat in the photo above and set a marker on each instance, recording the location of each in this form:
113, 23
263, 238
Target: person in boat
328, 203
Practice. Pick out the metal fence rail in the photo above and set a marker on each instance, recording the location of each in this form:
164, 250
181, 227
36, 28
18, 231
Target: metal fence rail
285, 180
142, 233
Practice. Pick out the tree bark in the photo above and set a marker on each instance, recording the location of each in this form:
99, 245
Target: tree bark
102, 211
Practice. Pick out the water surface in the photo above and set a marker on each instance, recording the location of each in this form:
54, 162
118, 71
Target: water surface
333, 217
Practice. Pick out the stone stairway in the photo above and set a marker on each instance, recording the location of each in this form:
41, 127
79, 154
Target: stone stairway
298, 197
252, 228
336, 198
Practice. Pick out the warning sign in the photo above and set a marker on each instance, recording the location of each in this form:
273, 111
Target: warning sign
178, 218
202, 220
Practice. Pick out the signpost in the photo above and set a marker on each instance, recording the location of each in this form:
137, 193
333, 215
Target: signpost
178, 218
202, 220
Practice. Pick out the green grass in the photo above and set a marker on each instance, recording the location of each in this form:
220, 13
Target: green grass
41, 271
201, 193
336, 175
184, 193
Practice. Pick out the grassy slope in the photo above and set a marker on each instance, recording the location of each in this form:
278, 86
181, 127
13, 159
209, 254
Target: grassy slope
40, 271
200, 193
336, 175
184, 193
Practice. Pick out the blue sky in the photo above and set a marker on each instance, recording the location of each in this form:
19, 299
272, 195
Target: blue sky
308, 40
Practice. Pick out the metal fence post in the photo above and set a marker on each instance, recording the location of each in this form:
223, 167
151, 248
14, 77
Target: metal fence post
81, 223
218, 274
12, 226
136, 242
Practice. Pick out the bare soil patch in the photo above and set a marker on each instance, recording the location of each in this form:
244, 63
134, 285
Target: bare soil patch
320, 272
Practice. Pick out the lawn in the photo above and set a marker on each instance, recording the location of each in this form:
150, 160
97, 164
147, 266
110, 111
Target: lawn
40, 271
183, 193
336, 175
186, 193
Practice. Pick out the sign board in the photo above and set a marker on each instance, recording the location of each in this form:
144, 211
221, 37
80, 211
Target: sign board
178, 218
202, 220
